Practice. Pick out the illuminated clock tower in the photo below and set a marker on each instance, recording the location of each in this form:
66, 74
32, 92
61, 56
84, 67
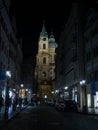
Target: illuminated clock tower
45, 64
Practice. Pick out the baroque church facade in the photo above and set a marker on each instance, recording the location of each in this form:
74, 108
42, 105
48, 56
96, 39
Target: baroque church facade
45, 64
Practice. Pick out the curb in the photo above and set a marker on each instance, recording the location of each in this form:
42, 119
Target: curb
87, 113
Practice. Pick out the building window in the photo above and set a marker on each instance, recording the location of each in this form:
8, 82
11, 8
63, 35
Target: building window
88, 56
44, 60
95, 51
44, 74
44, 46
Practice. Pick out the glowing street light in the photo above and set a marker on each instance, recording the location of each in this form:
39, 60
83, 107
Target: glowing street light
22, 85
82, 82
66, 87
8, 74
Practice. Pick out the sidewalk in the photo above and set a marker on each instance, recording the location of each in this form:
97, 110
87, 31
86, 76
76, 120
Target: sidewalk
90, 111
10, 115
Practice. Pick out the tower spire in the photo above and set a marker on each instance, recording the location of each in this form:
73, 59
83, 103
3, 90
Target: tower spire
51, 35
43, 32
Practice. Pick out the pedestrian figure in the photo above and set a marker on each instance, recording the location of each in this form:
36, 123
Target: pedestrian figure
20, 103
14, 104
7, 102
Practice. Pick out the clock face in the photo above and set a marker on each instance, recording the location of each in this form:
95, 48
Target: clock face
44, 39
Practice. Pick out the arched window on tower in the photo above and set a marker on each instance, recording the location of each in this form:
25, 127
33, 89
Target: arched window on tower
44, 46
44, 60
44, 74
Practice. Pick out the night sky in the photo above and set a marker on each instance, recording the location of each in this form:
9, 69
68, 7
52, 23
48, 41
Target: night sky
30, 17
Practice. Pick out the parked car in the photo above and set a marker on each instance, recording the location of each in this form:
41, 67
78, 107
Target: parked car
49, 102
70, 105
59, 105
66, 105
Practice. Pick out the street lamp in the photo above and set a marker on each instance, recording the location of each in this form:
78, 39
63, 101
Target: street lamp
8, 74
82, 83
21, 85
21, 90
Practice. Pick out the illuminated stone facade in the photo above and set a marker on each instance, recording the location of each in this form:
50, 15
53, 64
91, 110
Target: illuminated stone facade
45, 63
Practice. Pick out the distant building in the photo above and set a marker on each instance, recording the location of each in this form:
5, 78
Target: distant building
45, 64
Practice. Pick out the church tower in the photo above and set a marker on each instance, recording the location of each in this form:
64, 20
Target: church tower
45, 64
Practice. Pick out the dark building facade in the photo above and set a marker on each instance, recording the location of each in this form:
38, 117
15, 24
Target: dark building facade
76, 57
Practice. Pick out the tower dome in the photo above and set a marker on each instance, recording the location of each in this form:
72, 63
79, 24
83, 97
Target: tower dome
52, 43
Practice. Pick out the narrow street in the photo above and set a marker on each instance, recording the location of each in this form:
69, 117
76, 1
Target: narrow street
47, 118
